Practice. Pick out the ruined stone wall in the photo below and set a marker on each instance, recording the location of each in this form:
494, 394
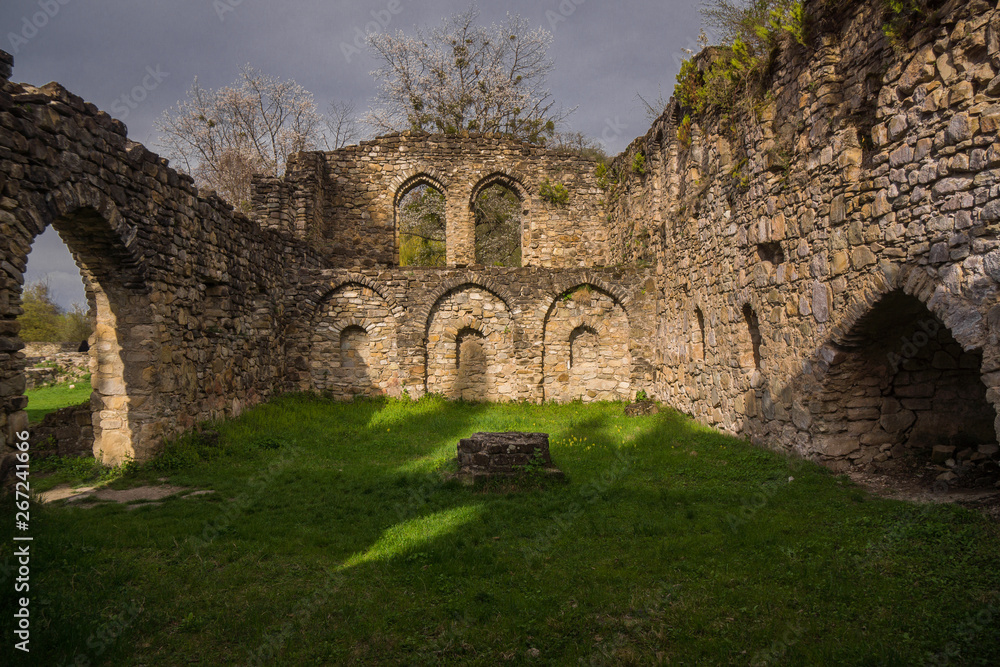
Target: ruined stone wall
344, 202
188, 296
870, 173
491, 334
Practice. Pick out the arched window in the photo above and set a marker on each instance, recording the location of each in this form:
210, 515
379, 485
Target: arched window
470, 359
420, 219
354, 349
584, 347
497, 210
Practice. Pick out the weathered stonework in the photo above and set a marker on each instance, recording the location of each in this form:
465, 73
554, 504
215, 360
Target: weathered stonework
829, 273
823, 279
491, 334
345, 202
65, 432
186, 294
54, 363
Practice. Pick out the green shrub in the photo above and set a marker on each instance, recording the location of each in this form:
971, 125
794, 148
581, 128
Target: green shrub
639, 163
751, 33
554, 193
601, 173
684, 130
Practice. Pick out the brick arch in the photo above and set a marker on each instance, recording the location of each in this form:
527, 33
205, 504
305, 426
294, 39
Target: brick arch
351, 323
105, 248
70, 199
740, 337
963, 319
361, 281
333, 316
445, 320
560, 380
894, 378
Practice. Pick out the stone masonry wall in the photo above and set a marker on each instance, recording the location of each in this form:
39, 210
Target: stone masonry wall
871, 173
491, 334
187, 295
822, 278
344, 202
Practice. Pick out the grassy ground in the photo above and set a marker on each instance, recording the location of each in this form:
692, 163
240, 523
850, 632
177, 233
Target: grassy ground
44, 400
333, 538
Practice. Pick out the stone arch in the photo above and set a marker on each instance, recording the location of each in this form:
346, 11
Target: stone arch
363, 282
122, 348
470, 280
407, 180
700, 345
895, 386
575, 337
472, 372
607, 373
566, 286
748, 335
508, 178
465, 308
961, 317
355, 305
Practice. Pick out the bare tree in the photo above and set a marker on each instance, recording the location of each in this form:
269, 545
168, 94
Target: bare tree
578, 143
341, 125
222, 137
462, 76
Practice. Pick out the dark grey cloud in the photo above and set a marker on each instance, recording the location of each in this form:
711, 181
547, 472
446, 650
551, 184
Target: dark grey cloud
136, 59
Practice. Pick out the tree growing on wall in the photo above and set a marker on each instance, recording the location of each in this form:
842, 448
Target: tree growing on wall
223, 137
463, 76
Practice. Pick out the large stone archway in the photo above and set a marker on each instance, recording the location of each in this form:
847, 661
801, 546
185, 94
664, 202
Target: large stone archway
900, 387
122, 346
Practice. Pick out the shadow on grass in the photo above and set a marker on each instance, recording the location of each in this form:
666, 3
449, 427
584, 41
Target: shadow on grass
344, 543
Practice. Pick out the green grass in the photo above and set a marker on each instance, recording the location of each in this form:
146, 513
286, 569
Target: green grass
333, 538
44, 400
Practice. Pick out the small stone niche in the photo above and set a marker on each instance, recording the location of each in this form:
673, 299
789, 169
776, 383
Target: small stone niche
505, 454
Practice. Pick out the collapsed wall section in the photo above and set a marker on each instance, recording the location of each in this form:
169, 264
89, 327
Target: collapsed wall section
188, 295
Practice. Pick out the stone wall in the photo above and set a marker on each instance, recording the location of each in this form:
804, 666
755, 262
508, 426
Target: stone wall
822, 277
868, 184
344, 202
54, 363
65, 432
186, 294
492, 334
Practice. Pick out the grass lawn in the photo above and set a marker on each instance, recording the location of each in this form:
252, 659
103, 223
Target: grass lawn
44, 400
333, 538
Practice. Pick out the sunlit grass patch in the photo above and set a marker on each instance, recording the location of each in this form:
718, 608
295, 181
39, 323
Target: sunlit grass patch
335, 527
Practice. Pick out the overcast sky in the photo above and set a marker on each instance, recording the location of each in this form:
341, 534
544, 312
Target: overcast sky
605, 52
